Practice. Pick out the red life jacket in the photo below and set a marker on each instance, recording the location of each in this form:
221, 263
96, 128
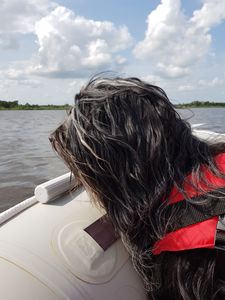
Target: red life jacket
201, 234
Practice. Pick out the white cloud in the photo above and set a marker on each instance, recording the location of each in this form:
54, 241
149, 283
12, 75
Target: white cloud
20, 16
211, 14
16, 76
71, 45
153, 79
34, 83
215, 82
120, 60
205, 84
186, 88
173, 42
16, 72
202, 82
171, 70
8, 42
163, 25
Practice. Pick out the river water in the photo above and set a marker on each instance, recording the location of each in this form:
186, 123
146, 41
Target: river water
26, 156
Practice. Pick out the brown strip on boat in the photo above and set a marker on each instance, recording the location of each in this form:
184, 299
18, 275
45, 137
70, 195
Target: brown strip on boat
102, 232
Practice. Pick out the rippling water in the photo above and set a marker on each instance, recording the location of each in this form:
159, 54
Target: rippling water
212, 118
26, 156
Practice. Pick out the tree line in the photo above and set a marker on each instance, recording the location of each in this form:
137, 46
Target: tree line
194, 104
14, 105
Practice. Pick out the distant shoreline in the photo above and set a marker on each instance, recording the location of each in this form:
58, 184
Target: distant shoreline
14, 105
37, 108
200, 104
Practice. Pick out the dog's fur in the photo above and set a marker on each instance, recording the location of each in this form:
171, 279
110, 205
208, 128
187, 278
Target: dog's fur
128, 146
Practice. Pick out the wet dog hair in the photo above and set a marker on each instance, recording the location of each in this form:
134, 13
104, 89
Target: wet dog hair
127, 144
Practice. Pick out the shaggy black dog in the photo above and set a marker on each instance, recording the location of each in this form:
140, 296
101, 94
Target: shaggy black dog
128, 146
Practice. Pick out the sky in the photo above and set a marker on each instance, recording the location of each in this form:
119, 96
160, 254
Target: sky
49, 49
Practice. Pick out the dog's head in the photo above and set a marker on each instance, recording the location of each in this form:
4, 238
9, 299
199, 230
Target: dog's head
119, 141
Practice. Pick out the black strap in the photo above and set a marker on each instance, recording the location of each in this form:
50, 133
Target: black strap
200, 208
220, 233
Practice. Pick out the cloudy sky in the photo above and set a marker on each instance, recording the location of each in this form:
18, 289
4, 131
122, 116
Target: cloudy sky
48, 49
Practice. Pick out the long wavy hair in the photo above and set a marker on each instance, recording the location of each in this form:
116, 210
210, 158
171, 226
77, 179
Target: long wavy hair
125, 142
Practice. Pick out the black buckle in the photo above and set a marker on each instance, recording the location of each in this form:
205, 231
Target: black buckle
220, 233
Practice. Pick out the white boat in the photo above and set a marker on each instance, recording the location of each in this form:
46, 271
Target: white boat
45, 252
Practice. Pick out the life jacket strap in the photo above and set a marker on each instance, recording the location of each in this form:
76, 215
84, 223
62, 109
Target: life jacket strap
220, 233
200, 208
